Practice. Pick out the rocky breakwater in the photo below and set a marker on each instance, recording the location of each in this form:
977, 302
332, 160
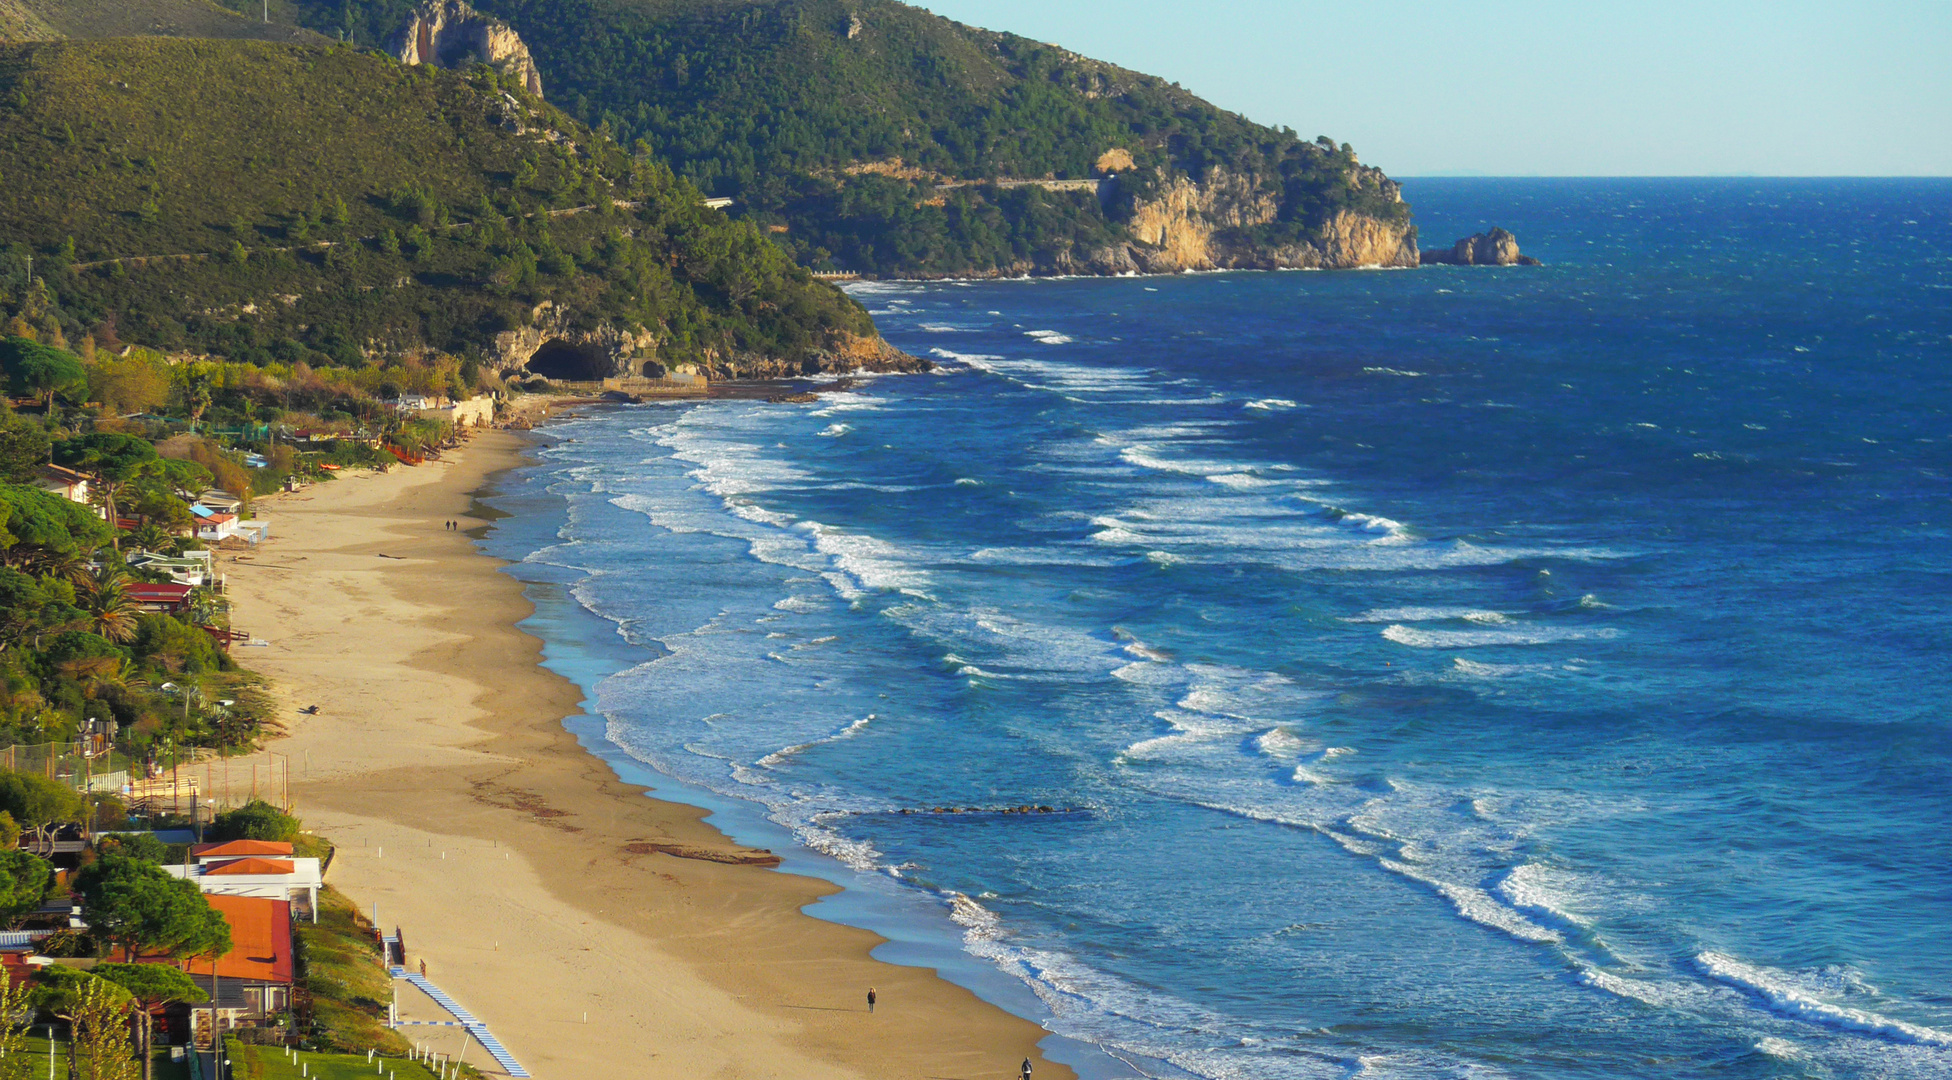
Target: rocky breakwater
1494, 248
450, 34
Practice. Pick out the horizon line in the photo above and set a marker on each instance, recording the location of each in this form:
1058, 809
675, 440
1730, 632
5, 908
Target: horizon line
1465, 175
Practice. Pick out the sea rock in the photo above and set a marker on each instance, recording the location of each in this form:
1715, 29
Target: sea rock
1495, 248
450, 34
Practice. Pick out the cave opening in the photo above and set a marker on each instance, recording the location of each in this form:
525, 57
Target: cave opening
569, 362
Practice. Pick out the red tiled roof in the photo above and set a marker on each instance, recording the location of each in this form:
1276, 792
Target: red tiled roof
146, 590
251, 866
260, 936
241, 848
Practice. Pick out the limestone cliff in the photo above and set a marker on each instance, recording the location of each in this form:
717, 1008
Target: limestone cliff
553, 345
1208, 226
450, 34
1495, 248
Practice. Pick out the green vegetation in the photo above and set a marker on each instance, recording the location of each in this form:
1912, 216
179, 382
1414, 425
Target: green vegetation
771, 101
311, 207
137, 906
255, 820
340, 964
274, 1063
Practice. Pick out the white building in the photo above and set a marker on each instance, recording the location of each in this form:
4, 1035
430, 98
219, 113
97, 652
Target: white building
256, 868
67, 483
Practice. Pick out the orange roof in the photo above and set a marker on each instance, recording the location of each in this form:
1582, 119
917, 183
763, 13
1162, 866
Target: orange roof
251, 866
241, 848
260, 939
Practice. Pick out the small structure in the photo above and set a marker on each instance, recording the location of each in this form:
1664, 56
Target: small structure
220, 501
417, 402
67, 483
477, 411
255, 868
152, 596
192, 568
212, 525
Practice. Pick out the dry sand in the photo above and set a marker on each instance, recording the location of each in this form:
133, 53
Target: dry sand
537, 886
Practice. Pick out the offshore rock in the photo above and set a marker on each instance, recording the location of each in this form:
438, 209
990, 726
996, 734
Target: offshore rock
1495, 248
450, 34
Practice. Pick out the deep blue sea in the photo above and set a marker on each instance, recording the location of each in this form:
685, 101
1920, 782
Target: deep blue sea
1463, 672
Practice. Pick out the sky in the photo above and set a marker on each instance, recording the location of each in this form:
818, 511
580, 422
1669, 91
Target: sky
1530, 88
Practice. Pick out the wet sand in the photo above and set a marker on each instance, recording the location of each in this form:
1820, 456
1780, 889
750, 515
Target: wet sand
536, 885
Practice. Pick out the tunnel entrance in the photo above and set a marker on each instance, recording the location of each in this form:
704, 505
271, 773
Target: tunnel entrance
562, 360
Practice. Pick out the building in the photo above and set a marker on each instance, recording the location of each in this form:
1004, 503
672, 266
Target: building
192, 568
258, 869
220, 501
67, 483
252, 982
213, 525
478, 411
151, 596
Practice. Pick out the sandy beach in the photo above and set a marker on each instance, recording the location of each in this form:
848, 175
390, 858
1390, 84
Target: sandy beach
538, 887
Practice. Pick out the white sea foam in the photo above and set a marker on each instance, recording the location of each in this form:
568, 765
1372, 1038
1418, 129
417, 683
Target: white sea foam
1780, 992
1395, 372
1271, 404
1429, 614
1471, 639
1049, 337
779, 757
835, 431
1477, 905
865, 563
1544, 889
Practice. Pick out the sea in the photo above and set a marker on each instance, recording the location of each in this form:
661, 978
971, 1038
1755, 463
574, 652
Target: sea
1536, 672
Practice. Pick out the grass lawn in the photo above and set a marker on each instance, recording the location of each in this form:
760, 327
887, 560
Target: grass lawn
36, 1051
270, 1063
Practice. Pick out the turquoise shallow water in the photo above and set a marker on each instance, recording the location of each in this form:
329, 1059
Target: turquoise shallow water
1462, 672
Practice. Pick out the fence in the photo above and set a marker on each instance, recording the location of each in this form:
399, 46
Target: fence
94, 769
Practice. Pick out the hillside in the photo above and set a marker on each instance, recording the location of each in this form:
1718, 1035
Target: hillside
871, 136
266, 201
47, 20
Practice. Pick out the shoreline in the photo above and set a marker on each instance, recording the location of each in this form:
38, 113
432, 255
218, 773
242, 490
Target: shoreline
537, 884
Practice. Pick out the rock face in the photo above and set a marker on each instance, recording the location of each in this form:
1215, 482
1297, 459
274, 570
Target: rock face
1494, 248
1187, 225
553, 346
450, 34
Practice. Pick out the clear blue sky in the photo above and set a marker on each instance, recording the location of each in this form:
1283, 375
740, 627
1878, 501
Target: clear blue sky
1526, 87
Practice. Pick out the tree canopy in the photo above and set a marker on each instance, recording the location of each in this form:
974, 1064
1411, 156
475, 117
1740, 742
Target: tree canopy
255, 820
140, 907
24, 882
40, 370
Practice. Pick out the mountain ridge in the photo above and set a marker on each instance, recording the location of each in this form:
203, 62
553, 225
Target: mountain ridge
786, 105
272, 202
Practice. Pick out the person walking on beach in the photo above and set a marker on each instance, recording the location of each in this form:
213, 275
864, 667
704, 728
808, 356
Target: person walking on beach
870, 999
1026, 1069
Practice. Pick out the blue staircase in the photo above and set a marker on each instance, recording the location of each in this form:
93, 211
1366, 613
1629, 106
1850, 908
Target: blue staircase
475, 1027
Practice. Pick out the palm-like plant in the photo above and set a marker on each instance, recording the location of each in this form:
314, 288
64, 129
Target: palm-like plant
150, 536
110, 611
206, 608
